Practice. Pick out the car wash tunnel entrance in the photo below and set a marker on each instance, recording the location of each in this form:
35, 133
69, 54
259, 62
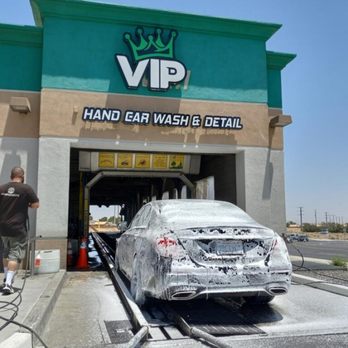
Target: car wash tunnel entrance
134, 178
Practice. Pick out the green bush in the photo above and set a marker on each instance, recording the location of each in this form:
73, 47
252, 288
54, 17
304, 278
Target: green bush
339, 261
335, 228
310, 228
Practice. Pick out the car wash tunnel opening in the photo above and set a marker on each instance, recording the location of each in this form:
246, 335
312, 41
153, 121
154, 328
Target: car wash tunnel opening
131, 179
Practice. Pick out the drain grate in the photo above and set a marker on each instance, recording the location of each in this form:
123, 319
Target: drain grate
119, 331
215, 319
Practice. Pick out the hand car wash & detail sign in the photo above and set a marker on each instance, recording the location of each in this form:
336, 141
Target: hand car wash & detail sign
136, 117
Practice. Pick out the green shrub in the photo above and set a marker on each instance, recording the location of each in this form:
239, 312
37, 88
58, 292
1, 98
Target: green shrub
310, 228
339, 261
333, 227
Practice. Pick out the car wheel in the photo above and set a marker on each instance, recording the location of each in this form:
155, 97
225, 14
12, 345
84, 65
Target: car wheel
261, 299
136, 291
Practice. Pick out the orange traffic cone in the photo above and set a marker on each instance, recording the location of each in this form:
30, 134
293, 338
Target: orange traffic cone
69, 258
82, 261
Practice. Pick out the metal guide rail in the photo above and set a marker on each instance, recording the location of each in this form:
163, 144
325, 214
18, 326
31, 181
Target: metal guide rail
181, 321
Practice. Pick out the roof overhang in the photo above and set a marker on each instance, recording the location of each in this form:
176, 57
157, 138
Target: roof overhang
99, 12
278, 61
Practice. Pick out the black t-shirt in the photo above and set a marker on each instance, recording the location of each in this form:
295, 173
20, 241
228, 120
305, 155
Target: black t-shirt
15, 198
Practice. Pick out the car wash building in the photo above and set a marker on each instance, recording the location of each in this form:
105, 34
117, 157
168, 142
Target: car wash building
104, 104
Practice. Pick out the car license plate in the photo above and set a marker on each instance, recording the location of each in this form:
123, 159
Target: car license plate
229, 248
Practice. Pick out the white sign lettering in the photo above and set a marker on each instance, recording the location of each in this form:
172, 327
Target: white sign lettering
161, 119
133, 78
154, 60
101, 114
162, 72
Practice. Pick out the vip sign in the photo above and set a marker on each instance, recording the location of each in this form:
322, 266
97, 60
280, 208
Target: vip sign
151, 57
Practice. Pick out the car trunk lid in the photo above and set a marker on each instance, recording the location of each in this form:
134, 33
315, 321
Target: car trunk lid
226, 245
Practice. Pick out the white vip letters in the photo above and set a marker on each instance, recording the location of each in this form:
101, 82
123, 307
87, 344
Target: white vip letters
162, 74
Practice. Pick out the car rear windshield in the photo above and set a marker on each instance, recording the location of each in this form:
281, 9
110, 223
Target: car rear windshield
200, 214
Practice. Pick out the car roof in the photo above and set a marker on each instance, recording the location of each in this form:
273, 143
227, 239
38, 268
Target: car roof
186, 213
183, 202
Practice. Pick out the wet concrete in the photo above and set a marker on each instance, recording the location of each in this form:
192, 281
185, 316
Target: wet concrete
87, 301
305, 317
303, 310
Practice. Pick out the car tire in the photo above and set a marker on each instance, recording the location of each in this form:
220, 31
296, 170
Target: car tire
135, 286
261, 299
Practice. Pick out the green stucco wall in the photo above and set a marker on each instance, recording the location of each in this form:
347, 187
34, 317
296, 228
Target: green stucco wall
276, 61
274, 88
222, 68
20, 57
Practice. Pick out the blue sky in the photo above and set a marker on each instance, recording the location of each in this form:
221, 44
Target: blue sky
315, 89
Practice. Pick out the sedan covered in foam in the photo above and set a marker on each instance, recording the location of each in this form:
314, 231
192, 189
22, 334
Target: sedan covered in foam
185, 249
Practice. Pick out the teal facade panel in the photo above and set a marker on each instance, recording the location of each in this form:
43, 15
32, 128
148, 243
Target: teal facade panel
20, 67
274, 88
80, 55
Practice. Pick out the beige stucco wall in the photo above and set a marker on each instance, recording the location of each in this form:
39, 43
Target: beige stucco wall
61, 116
275, 137
15, 124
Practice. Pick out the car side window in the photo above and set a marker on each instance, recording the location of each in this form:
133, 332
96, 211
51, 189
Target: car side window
135, 220
142, 217
146, 216
144, 213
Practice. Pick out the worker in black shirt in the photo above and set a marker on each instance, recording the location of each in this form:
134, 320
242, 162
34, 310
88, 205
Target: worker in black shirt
15, 198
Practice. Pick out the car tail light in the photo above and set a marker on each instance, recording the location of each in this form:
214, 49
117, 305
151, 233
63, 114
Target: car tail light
166, 246
166, 242
279, 252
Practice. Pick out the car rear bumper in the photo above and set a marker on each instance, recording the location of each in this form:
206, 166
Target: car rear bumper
179, 286
177, 293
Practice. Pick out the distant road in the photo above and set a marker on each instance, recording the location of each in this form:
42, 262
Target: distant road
320, 249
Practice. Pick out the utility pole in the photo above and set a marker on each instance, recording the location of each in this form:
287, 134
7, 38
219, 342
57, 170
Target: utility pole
326, 217
315, 217
301, 216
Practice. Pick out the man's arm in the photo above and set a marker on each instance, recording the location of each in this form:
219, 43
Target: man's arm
32, 198
34, 205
